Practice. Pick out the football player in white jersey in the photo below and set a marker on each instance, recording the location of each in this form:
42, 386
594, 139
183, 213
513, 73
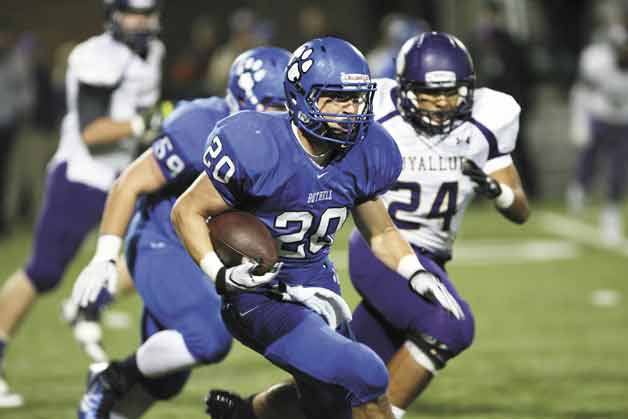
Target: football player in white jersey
455, 142
112, 80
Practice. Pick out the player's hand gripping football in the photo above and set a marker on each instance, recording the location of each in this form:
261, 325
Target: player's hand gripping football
96, 276
484, 184
428, 286
243, 277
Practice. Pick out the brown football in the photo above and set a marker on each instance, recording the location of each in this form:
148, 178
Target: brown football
236, 234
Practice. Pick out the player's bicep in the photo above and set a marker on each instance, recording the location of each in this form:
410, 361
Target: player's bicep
372, 219
142, 175
202, 198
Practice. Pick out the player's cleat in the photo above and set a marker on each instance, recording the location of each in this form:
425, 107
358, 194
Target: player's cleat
220, 404
104, 387
611, 226
575, 199
86, 328
7, 398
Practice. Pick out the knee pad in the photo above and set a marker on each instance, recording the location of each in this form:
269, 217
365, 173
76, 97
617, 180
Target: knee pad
45, 277
362, 373
454, 336
210, 348
429, 352
166, 387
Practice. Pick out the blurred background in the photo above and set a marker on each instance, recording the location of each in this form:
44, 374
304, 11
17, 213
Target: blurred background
549, 296
527, 48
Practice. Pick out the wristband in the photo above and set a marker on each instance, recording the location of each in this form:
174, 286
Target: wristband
138, 127
221, 281
506, 198
211, 265
409, 265
108, 247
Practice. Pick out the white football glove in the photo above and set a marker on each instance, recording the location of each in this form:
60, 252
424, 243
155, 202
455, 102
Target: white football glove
428, 286
96, 276
241, 277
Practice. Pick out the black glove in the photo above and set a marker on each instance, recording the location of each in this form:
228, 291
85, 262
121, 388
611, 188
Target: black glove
153, 118
484, 184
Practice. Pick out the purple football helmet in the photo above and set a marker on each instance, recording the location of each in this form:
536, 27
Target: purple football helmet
331, 67
435, 63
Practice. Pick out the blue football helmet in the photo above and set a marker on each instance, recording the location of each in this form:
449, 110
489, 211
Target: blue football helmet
256, 79
334, 68
136, 39
435, 63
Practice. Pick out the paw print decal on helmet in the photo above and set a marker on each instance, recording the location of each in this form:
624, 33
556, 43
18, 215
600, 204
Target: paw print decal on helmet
249, 73
301, 64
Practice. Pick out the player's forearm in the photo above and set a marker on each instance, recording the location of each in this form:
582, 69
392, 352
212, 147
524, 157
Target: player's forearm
118, 210
390, 248
106, 131
191, 228
519, 211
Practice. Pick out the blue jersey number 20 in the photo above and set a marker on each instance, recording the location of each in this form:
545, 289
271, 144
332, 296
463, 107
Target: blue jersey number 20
299, 244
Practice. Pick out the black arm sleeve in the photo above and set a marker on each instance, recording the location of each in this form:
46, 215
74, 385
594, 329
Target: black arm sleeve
93, 103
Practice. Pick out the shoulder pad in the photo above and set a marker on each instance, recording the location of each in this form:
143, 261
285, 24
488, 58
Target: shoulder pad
198, 108
251, 139
499, 112
382, 161
159, 46
99, 61
596, 61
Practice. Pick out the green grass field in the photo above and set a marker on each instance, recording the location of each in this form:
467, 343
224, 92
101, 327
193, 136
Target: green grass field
542, 348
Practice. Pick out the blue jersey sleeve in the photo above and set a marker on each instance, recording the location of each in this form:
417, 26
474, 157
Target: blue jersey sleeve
240, 159
383, 161
184, 136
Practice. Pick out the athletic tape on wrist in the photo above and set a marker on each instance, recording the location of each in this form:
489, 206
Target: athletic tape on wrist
505, 199
138, 127
108, 247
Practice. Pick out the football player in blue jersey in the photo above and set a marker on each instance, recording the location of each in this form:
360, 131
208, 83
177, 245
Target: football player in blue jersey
181, 325
112, 84
301, 173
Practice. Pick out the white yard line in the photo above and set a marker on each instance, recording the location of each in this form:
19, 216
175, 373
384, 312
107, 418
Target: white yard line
498, 252
485, 252
577, 231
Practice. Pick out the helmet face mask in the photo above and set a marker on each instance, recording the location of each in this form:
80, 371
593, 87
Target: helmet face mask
330, 92
435, 110
339, 112
256, 80
436, 83
133, 22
